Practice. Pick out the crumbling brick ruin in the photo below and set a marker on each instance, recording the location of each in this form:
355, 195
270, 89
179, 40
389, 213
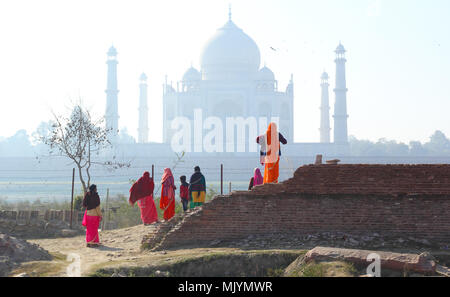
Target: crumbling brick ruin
390, 200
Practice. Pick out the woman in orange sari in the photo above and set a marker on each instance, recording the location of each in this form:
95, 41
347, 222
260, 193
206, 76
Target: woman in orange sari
167, 202
271, 152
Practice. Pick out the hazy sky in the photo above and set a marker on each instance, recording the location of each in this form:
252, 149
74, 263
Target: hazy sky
397, 71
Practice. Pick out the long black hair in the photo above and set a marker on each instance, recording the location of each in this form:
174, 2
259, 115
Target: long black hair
91, 199
92, 188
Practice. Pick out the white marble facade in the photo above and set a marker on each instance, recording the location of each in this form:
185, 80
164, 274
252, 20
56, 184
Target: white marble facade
231, 83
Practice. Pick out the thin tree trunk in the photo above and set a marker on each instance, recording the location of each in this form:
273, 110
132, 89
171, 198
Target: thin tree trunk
89, 163
83, 183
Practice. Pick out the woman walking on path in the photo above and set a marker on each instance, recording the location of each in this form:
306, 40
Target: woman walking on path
92, 216
142, 192
167, 202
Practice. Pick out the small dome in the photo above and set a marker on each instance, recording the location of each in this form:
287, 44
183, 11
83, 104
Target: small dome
143, 76
340, 48
266, 74
324, 76
112, 51
192, 74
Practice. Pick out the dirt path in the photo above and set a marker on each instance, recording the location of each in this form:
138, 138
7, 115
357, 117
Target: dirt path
120, 245
120, 248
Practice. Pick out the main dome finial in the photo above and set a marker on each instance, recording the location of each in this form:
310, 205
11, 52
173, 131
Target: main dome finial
228, 52
229, 12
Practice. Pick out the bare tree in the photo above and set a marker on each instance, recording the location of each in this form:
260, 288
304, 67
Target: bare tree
80, 138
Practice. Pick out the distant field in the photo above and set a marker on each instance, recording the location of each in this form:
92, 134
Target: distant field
50, 179
60, 191
26, 178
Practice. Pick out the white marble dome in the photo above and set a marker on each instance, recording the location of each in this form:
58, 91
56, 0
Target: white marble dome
230, 53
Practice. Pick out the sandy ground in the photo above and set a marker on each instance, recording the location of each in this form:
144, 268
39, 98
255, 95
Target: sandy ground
119, 247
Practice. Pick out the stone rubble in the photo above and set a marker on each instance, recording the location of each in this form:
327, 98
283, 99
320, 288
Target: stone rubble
14, 251
38, 228
388, 260
339, 240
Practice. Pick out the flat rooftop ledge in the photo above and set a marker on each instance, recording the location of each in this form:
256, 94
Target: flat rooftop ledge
377, 179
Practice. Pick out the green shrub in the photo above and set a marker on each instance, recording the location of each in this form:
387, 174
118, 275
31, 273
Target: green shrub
78, 203
275, 272
210, 193
314, 270
124, 215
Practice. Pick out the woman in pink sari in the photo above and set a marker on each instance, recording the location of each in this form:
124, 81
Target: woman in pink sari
256, 180
92, 216
167, 202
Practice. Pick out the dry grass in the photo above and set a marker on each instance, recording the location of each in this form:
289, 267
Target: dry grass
56, 267
324, 269
191, 261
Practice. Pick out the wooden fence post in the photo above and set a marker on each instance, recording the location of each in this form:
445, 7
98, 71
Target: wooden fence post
71, 201
106, 210
221, 179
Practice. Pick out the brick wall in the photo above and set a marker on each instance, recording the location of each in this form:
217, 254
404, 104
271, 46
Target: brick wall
392, 200
366, 179
30, 224
30, 216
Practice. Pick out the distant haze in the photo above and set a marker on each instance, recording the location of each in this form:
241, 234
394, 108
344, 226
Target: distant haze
397, 71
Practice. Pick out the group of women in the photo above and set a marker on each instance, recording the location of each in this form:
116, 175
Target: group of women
142, 190
142, 193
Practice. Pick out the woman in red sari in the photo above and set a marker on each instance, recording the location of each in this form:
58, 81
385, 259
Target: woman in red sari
167, 202
92, 216
142, 192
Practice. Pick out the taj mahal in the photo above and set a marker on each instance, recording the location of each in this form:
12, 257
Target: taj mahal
231, 84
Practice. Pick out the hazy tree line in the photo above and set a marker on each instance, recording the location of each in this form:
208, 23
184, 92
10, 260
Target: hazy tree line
23, 145
438, 145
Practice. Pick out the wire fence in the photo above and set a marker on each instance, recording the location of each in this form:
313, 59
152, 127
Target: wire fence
11, 174
52, 179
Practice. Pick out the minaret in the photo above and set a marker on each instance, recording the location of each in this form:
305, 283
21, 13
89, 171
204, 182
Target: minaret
340, 106
325, 110
112, 108
143, 111
290, 86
